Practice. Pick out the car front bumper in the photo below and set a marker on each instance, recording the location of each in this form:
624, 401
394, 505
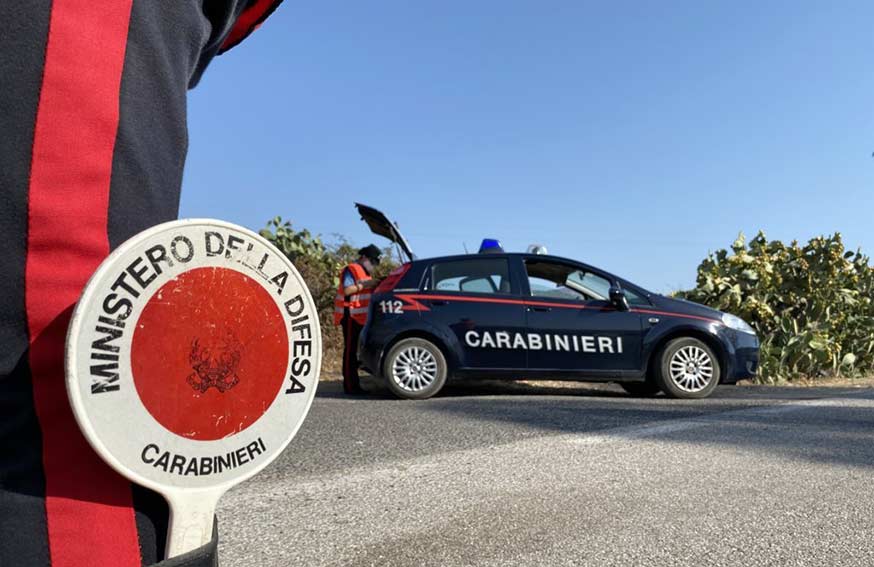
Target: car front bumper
744, 356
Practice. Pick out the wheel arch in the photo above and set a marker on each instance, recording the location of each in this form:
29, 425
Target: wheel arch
451, 362
693, 332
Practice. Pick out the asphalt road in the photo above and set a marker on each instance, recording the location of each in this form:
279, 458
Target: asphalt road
495, 474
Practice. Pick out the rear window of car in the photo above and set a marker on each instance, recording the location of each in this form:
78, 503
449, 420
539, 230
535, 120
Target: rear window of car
481, 275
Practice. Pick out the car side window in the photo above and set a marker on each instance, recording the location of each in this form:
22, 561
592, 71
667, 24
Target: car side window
541, 287
562, 281
590, 284
479, 275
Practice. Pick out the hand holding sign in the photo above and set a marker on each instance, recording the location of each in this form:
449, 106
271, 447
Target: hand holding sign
192, 359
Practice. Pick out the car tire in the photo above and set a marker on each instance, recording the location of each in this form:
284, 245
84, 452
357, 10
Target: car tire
687, 369
415, 369
641, 389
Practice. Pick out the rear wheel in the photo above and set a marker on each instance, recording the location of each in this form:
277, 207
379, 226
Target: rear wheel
641, 389
415, 369
687, 369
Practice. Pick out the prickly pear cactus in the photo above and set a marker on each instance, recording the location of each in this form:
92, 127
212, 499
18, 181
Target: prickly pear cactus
812, 305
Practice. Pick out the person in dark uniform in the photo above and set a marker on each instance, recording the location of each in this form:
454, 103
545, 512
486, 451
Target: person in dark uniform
92, 115
350, 310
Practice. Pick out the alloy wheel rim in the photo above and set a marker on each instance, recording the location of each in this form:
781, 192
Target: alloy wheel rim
414, 369
691, 369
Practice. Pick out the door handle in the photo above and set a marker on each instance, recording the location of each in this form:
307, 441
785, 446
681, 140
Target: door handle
541, 309
437, 302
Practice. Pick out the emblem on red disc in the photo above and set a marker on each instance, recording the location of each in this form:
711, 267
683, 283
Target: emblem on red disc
193, 354
223, 353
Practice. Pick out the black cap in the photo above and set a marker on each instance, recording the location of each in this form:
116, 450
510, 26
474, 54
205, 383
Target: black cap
372, 252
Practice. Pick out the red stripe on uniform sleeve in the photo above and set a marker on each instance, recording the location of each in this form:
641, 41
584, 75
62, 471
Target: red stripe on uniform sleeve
88, 506
248, 21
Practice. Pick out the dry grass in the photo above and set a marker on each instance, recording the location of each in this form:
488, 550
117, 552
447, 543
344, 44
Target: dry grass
332, 350
841, 382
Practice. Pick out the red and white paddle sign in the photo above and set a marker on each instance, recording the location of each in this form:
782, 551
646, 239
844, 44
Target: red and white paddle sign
193, 357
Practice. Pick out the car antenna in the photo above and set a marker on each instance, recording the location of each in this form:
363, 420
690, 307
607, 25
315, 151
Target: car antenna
463, 243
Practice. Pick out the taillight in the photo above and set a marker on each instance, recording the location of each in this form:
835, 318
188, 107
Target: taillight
392, 279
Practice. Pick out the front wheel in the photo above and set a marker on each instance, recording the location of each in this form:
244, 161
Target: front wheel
687, 368
415, 369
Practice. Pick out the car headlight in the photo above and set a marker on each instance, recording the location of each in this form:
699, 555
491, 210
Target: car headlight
736, 323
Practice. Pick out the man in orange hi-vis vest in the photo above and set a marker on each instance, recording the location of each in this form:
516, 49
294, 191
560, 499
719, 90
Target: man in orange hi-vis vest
350, 310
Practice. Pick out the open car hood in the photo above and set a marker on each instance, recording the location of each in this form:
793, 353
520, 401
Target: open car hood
379, 224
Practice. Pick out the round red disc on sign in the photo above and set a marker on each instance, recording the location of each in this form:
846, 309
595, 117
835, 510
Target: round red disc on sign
192, 359
209, 353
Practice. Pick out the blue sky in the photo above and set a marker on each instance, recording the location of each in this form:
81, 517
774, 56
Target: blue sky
636, 136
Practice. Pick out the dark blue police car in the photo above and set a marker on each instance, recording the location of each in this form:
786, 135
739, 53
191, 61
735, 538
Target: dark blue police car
513, 315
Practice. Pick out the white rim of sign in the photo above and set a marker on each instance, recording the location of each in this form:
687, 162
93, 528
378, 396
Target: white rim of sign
106, 403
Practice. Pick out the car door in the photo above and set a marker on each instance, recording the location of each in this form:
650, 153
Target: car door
579, 330
477, 300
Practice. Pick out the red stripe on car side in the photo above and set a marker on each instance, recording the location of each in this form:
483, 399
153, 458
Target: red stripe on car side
412, 304
89, 510
527, 302
670, 314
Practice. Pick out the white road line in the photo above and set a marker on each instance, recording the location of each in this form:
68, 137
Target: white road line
426, 465
660, 427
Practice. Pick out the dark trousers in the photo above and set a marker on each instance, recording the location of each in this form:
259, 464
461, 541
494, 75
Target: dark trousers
351, 332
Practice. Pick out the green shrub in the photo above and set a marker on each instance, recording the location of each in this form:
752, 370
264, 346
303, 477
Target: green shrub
320, 265
812, 305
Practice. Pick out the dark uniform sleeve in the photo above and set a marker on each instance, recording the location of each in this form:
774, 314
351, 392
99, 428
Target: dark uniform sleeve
231, 22
248, 21
92, 149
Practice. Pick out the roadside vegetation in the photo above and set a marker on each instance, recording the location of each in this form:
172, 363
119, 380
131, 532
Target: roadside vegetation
812, 305
320, 263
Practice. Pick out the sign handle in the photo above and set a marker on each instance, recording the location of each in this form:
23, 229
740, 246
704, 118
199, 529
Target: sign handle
192, 514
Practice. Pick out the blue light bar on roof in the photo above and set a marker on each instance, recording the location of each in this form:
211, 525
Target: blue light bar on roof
491, 246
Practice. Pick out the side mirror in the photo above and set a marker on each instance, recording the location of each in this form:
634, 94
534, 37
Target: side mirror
618, 299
